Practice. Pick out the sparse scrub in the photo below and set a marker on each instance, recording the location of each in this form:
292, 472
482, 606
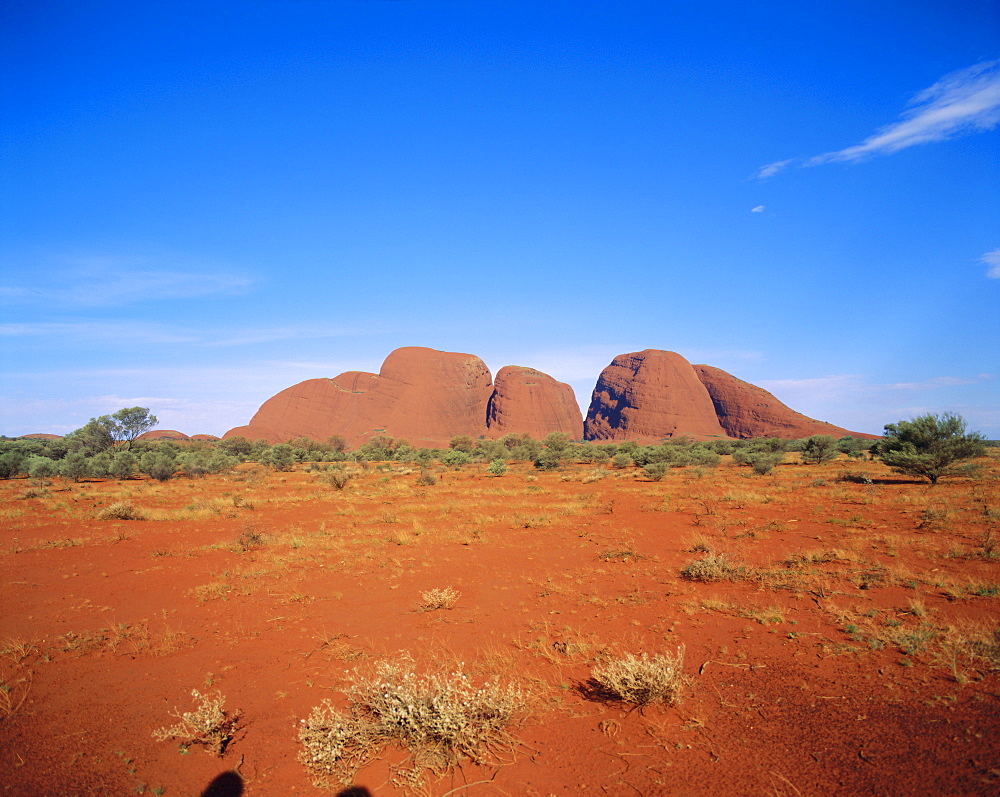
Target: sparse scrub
121, 510
434, 599
439, 717
497, 467
339, 478
854, 477
16, 674
250, 539
209, 725
712, 567
426, 478
641, 680
620, 553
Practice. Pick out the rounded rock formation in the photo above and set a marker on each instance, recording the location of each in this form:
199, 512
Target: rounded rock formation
648, 396
746, 411
162, 434
526, 401
421, 395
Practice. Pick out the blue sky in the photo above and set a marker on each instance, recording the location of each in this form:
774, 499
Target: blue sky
202, 203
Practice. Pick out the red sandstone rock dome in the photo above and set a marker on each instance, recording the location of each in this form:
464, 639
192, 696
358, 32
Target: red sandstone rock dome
427, 397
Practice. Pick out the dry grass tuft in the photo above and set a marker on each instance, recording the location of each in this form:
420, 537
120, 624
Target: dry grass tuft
713, 567
439, 717
121, 510
438, 599
16, 675
209, 725
640, 680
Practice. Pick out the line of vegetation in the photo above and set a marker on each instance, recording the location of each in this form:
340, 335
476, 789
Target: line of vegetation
108, 447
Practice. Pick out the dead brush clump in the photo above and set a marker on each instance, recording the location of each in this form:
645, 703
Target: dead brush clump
17, 658
713, 567
435, 598
121, 510
249, 539
440, 717
338, 478
209, 725
640, 680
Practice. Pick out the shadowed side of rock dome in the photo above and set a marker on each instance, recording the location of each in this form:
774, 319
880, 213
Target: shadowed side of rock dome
650, 395
747, 411
526, 401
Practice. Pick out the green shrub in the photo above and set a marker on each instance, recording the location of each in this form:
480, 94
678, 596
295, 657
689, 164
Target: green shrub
456, 459
622, 460
930, 446
657, 470
41, 468
547, 459
497, 467
122, 465
10, 464
281, 457
819, 448
762, 461
157, 465
75, 466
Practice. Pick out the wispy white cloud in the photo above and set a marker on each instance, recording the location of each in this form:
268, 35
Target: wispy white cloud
113, 281
758, 209
88, 332
992, 259
771, 169
962, 102
940, 381
85, 332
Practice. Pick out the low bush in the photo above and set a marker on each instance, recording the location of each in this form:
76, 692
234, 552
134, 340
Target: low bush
438, 599
209, 725
426, 478
339, 478
713, 567
641, 680
497, 467
122, 510
440, 717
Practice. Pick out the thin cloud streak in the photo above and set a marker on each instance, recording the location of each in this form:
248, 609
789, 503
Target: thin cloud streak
963, 102
966, 101
992, 259
115, 281
772, 169
133, 332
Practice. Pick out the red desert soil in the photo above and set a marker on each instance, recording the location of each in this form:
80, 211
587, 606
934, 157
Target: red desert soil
852, 649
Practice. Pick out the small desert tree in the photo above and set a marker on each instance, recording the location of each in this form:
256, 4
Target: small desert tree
100, 434
930, 446
819, 448
130, 422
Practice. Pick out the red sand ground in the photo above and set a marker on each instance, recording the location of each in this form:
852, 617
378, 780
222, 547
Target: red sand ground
854, 654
